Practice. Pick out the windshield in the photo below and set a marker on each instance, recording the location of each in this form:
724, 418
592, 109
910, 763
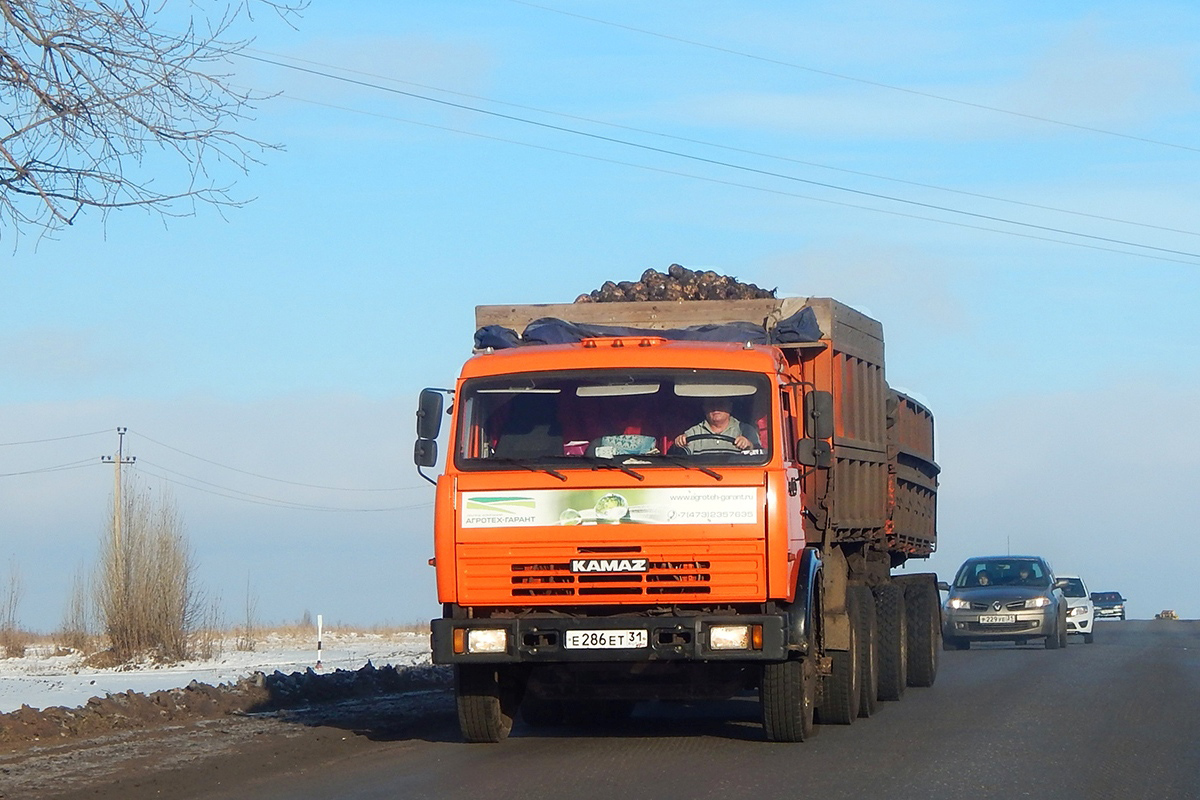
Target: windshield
1073, 587
643, 417
1002, 572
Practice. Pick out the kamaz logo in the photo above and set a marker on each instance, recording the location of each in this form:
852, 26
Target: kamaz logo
609, 565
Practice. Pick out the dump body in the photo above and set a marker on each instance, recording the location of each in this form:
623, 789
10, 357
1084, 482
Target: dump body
587, 523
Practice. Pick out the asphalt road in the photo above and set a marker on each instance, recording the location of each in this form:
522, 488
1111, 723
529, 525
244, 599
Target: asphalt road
1119, 718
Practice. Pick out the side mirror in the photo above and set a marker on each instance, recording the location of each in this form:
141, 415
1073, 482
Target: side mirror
425, 453
818, 415
943, 586
429, 414
814, 453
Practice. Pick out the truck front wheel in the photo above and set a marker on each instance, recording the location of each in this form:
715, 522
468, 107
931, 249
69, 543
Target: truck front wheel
488, 698
788, 695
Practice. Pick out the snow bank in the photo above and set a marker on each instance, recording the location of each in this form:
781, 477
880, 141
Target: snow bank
41, 679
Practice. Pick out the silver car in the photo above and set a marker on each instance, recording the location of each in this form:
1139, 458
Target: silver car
1004, 598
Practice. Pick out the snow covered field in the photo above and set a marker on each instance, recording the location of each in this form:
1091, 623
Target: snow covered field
41, 679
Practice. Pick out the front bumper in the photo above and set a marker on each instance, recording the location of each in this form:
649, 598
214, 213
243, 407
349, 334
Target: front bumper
541, 639
1028, 624
1117, 612
1079, 624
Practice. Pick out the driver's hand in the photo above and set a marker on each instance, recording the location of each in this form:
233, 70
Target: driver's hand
681, 440
741, 443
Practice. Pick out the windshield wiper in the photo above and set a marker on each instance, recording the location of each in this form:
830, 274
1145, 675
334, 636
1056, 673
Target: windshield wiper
683, 462
611, 463
518, 463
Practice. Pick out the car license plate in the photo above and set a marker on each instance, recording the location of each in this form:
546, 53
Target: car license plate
606, 640
997, 619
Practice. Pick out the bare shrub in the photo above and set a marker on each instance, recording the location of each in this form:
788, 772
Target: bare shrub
12, 639
146, 595
75, 631
207, 640
246, 633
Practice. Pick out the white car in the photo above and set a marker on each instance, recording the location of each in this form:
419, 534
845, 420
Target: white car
1081, 613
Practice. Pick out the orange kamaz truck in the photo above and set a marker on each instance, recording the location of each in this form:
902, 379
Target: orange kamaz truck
680, 501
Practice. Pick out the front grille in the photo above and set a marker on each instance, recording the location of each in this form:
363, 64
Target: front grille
1016, 605
661, 578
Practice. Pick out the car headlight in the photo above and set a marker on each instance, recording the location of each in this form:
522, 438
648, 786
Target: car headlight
958, 603
1037, 602
1078, 611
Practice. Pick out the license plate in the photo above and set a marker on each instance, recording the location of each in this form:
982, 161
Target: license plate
997, 619
606, 640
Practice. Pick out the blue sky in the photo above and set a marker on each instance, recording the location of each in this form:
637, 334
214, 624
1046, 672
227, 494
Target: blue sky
260, 354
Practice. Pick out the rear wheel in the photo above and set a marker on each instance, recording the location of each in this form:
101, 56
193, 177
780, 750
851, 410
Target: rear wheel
924, 622
893, 641
487, 699
841, 695
867, 622
787, 696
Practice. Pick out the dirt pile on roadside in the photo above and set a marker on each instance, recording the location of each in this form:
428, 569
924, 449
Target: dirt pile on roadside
677, 283
257, 693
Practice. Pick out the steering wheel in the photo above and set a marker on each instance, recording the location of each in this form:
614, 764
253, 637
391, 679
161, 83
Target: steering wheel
718, 436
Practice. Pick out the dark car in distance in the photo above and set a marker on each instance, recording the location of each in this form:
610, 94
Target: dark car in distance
1004, 598
1109, 605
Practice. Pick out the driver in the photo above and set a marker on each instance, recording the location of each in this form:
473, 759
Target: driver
719, 422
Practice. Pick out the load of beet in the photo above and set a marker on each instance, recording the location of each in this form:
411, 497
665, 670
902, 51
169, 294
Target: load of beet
677, 283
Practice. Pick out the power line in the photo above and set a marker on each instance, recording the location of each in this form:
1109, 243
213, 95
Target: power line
60, 468
268, 477
752, 187
247, 497
840, 76
729, 165
55, 439
729, 148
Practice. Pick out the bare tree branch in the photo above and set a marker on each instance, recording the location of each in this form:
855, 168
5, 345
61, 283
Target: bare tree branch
94, 95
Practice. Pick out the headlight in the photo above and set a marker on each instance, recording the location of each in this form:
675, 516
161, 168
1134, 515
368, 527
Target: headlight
480, 640
735, 637
1078, 611
958, 603
1037, 602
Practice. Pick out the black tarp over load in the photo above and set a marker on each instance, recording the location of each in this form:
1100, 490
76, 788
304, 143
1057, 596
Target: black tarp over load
677, 283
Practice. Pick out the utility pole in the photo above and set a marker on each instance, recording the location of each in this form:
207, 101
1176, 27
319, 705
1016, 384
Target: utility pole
117, 460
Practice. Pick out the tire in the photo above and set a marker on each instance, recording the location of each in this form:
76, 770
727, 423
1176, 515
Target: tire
893, 641
1063, 635
867, 622
956, 644
1088, 638
1054, 640
922, 608
840, 694
787, 696
487, 699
